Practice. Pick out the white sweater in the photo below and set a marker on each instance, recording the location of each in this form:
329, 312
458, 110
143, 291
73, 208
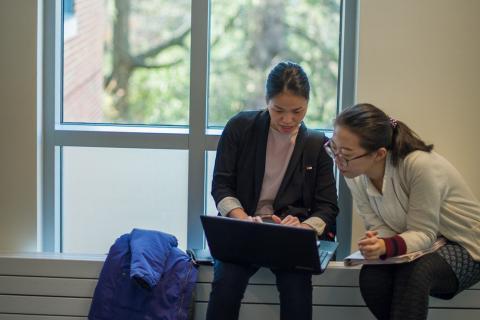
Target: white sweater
423, 197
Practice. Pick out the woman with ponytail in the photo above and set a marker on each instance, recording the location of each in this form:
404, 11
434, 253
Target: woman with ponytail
408, 196
271, 167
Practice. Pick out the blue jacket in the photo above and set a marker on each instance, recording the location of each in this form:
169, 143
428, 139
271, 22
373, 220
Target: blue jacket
145, 276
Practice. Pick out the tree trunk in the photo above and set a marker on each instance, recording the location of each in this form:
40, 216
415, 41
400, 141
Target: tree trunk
121, 59
268, 34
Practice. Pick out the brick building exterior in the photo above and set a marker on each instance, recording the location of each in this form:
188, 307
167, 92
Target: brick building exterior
84, 37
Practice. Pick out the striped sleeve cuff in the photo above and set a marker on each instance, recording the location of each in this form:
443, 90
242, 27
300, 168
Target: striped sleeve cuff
317, 224
227, 204
394, 246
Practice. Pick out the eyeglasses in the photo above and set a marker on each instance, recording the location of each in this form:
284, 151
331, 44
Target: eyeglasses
338, 157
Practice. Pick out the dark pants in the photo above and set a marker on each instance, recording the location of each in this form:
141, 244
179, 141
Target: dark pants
402, 291
231, 280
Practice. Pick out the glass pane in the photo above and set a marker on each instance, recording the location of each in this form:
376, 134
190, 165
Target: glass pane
211, 208
108, 191
249, 37
128, 61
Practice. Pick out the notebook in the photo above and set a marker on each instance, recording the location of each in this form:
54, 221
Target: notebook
267, 244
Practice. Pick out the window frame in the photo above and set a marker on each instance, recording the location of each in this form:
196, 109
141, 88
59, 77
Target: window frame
197, 138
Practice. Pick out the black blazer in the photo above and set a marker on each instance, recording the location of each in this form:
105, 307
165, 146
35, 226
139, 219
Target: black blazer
240, 167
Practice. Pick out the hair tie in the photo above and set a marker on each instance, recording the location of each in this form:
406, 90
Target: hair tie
393, 122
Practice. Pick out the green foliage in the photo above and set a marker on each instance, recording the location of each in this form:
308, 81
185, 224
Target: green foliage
161, 96
247, 38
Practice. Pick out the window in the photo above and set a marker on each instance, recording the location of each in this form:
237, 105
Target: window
135, 102
129, 63
249, 37
107, 191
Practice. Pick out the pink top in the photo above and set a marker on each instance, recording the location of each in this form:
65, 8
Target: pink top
279, 151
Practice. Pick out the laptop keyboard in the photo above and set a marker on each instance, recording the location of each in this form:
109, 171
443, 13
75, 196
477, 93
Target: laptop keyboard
323, 255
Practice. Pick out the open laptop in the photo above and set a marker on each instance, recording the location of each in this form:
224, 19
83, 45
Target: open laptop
267, 244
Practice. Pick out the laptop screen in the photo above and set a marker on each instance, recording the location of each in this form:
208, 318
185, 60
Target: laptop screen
262, 244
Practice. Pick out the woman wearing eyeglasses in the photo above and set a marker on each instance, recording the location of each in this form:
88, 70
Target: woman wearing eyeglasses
407, 195
269, 164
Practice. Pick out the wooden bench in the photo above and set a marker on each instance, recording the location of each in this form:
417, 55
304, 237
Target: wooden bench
43, 286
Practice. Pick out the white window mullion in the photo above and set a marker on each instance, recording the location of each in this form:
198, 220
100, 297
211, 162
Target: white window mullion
51, 100
198, 119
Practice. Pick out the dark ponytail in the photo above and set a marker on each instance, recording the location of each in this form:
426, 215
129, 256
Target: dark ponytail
376, 130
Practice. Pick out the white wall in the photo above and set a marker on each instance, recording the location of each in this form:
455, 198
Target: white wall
18, 125
420, 62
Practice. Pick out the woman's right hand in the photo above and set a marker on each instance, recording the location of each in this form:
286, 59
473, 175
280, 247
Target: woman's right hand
371, 246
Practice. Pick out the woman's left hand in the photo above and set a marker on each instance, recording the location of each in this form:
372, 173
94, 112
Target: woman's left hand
371, 246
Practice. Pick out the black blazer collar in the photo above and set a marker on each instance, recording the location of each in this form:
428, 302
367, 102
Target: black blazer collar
261, 131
